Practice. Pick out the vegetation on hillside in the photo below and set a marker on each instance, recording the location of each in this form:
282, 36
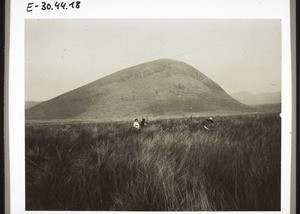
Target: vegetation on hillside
158, 88
172, 164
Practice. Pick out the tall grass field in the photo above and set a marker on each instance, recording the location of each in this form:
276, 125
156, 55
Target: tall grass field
170, 165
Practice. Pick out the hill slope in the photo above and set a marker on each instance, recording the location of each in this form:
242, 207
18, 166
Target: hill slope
29, 104
257, 99
159, 88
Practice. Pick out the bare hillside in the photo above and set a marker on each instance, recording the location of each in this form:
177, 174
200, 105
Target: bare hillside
162, 87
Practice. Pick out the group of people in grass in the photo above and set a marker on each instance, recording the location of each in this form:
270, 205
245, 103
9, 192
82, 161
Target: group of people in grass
208, 124
139, 125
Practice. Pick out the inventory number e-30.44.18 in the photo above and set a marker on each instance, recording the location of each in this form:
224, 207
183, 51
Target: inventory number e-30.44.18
53, 6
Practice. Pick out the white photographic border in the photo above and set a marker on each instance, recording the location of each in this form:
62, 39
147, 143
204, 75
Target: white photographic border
97, 9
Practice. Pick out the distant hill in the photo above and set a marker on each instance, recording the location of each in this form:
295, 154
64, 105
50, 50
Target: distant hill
29, 104
158, 88
276, 107
257, 99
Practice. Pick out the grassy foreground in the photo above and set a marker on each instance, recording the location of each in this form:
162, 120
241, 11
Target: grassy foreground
170, 165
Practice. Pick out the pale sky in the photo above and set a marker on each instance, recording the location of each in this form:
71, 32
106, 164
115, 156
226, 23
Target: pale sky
239, 55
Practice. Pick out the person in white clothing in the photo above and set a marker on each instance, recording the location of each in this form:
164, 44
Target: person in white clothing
136, 124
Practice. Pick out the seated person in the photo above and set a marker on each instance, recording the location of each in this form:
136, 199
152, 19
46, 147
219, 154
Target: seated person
136, 124
143, 123
208, 124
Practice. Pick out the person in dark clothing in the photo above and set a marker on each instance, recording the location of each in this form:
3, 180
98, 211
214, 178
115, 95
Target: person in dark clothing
143, 123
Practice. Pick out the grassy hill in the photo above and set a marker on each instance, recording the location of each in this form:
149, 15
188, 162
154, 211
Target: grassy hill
159, 88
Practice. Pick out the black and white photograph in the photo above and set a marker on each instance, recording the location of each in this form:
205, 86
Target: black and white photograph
153, 114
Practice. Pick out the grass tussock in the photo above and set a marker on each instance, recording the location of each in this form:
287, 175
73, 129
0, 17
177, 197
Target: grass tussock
170, 165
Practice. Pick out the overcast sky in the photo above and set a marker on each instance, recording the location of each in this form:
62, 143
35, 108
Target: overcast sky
239, 55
